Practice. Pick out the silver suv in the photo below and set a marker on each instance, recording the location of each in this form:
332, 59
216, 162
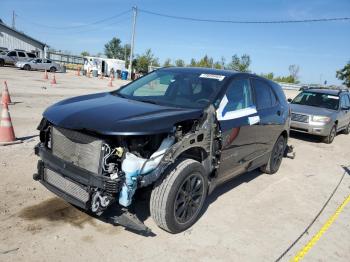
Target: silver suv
322, 112
12, 57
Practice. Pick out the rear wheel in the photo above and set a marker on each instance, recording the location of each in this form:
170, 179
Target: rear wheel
53, 69
329, 139
276, 156
26, 67
176, 201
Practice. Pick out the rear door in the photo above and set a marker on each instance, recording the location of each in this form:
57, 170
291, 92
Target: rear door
269, 111
237, 117
12, 57
344, 114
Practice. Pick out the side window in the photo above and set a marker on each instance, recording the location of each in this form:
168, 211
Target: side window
265, 97
238, 96
38, 60
31, 55
21, 54
13, 53
48, 61
344, 101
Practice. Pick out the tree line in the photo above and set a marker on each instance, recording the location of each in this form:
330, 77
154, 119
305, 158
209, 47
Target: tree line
141, 63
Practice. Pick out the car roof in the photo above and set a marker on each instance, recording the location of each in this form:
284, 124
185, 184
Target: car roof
202, 70
324, 91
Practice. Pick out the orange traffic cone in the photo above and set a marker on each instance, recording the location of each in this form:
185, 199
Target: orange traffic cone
112, 77
46, 77
78, 71
7, 134
5, 97
110, 83
53, 81
88, 73
101, 76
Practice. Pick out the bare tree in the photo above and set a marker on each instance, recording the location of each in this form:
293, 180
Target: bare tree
294, 71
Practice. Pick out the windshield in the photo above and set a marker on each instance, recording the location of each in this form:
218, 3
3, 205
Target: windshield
173, 88
317, 99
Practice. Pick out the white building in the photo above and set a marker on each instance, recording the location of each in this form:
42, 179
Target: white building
11, 39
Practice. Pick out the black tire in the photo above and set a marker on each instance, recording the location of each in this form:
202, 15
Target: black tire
26, 67
276, 156
347, 129
53, 69
177, 199
2, 62
329, 139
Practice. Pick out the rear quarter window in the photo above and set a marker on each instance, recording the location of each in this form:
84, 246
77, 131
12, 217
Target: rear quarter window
265, 97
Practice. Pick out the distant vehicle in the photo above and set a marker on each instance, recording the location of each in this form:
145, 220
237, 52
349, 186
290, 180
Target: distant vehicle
182, 130
322, 112
104, 66
12, 57
39, 64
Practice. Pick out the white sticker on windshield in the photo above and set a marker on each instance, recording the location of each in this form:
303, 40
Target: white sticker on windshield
333, 97
211, 76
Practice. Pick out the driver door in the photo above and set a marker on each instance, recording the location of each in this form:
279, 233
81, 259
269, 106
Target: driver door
237, 116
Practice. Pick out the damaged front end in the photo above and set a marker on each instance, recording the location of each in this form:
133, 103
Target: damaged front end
94, 171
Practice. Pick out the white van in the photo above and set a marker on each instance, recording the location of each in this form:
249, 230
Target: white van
104, 66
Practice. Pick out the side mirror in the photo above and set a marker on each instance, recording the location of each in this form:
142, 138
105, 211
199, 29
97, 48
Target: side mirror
289, 100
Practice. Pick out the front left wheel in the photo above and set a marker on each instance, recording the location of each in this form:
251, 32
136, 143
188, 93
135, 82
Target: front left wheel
177, 199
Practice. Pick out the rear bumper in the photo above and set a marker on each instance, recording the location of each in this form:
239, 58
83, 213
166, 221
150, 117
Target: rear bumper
314, 128
84, 179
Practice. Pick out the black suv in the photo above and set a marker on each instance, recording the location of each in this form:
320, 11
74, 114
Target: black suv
179, 131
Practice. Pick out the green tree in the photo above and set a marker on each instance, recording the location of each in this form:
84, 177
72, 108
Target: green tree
218, 65
206, 61
240, 64
179, 62
85, 53
268, 76
167, 62
145, 60
193, 62
114, 49
344, 74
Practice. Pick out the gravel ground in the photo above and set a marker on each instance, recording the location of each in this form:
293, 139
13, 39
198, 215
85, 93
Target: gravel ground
254, 217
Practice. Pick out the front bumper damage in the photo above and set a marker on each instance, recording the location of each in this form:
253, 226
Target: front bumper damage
78, 186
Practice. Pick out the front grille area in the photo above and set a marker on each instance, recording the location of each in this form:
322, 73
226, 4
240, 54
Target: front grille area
300, 118
79, 149
66, 185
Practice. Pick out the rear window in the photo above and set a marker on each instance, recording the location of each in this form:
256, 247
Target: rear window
317, 100
31, 55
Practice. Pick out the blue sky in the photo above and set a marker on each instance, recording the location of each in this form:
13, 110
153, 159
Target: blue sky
318, 48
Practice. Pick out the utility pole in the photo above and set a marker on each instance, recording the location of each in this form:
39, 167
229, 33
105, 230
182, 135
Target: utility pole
13, 19
134, 10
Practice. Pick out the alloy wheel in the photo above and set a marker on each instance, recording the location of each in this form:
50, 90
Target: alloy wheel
188, 198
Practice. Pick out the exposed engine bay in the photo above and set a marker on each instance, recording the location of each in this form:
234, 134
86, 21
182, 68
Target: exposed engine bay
122, 164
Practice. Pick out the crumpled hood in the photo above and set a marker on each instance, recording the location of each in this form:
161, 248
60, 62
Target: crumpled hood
311, 110
108, 114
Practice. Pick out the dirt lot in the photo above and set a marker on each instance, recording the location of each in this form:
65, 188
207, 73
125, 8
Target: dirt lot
252, 218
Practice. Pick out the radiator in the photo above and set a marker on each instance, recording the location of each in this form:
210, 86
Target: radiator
79, 149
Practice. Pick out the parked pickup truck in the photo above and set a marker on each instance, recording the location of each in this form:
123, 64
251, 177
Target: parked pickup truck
12, 57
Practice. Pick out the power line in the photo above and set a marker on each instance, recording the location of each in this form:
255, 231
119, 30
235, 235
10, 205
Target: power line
246, 21
77, 26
